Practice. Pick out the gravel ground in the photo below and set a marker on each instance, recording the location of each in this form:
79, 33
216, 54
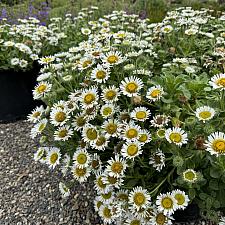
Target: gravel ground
29, 192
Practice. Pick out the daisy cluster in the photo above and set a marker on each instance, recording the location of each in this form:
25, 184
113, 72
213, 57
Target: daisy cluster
139, 107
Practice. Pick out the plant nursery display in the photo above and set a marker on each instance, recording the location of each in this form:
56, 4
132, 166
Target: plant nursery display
139, 108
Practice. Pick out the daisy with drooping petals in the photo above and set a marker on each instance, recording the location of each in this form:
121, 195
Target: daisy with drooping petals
106, 213
140, 114
39, 128
131, 149
131, 86
89, 97
85, 63
176, 135
100, 74
95, 163
41, 89
65, 164
36, 114
166, 203
116, 167
134, 220
40, 153
139, 198
100, 143
99, 185
159, 121
63, 133
190, 176
204, 113
216, 144
53, 157
218, 81
155, 93
81, 158
108, 197
65, 191
157, 160
181, 197
110, 94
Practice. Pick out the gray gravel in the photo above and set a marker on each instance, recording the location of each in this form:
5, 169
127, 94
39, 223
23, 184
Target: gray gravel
29, 192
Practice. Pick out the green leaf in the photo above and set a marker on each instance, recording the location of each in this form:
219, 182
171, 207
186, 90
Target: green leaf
215, 172
203, 196
213, 184
191, 193
209, 203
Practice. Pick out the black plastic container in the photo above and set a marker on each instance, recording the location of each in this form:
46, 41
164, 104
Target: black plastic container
16, 100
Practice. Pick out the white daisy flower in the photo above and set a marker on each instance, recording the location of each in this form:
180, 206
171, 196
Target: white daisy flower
89, 97
99, 185
216, 144
140, 114
65, 164
53, 157
131, 86
112, 58
107, 214
154, 93
100, 74
79, 122
108, 110
97, 203
40, 153
64, 190
46, 60
101, 143
190, 176
111, 127
144, 136
58, 116
36, 114
81, 174
116, 167
157, 160
139, 198
160, 121
176, 135
131, 149
85, 63
134, 220
38, 128
159, 218
131, 131
63, 133
85, 31
167, 29
15, 61
41, 89
166, 203
90, 133
96, 163
81, 158
110, 94
222, 221
112, 182
181, 197
218, 81
204, 113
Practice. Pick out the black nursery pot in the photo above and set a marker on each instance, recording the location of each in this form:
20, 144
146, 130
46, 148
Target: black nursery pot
16, 100
190, 214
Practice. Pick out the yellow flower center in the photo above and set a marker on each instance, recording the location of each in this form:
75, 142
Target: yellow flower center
42, 88
112, 180
131, 87
107, 195
100, 183
80, 172
99, 204
91, 134
123, 196
160, 219
117, 167
82, 158
157, 159
80, 121
60, 116
132, 150
47, 60
111, 128
53, 158
62, 133
143, 138
95, 164
110, 95
131, 133
89, 98
112, 59
221, 82
167, 203
190, 175
107, 212
161, 133
155, 93
205, 114
101, 140
107, 111
141, 115
180, 199
139, 199
86, 63
100, 74
218, 145
36, 114
135, 222
96, 54
175, 137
